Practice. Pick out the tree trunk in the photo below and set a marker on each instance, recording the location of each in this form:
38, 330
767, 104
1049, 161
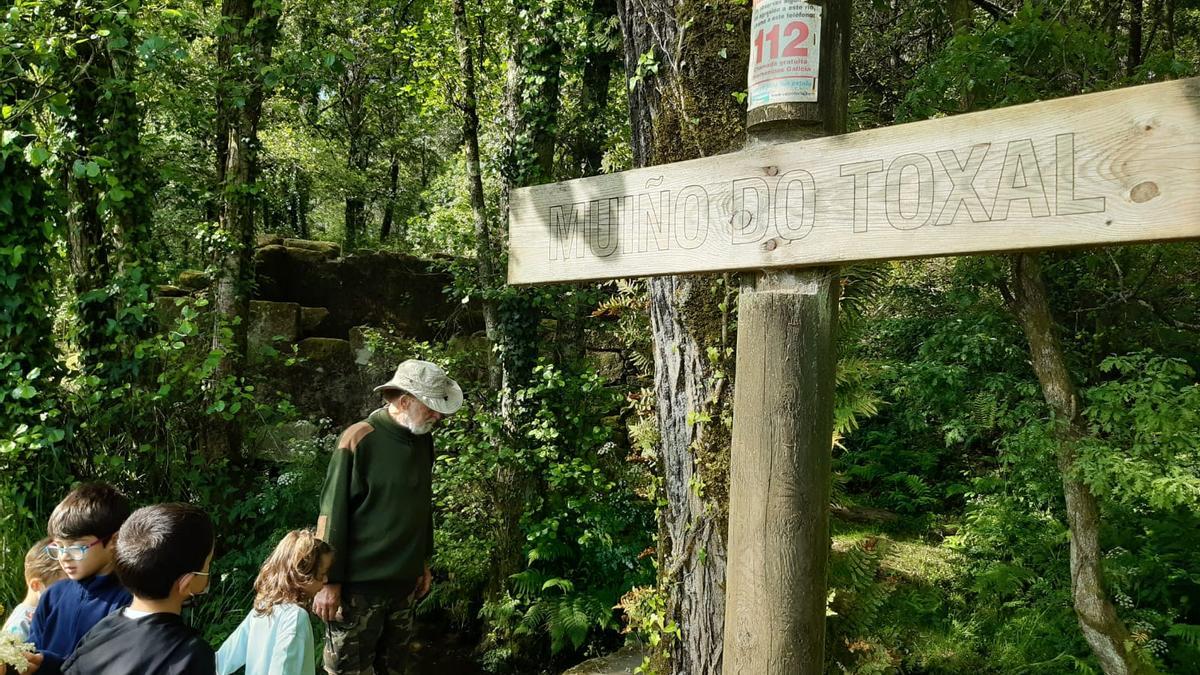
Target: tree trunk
686, 316
1135, 36
597, 74
108, 215
1103, 629
255, 27
959, 12
531, 111
356, 160
389, 209
297, 202
485, 248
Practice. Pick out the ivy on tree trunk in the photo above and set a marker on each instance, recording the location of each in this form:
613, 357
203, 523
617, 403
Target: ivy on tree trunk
251, 28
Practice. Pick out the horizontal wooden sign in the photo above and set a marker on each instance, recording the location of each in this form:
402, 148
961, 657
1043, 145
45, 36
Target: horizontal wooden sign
1106, 168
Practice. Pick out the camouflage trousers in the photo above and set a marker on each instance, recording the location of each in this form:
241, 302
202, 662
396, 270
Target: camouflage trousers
372, 637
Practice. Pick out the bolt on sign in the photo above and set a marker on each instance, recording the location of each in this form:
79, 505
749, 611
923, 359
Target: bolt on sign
1114, 167
786, 52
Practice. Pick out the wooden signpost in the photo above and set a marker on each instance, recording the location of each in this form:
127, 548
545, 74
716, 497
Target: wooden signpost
1114, 167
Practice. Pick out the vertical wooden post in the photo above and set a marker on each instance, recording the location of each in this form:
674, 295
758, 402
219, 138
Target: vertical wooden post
783, 418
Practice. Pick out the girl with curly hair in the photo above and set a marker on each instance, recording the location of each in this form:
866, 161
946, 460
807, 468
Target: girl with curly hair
276, 636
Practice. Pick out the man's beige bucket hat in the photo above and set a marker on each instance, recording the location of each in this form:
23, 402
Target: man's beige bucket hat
428, 383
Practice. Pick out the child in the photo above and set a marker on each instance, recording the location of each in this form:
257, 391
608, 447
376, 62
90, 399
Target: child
83, 529
276, 636
41, 571
163, 557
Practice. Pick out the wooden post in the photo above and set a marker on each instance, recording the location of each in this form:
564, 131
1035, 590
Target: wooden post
783, 418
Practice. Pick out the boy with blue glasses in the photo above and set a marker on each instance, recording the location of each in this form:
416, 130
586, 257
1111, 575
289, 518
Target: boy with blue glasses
83, 530
163, 557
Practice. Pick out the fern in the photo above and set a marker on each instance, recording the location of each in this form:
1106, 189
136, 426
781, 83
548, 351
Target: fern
528, 582
859, 594
548, 551
1187, 633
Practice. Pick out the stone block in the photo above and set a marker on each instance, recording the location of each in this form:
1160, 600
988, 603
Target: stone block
193, 280
610, 365
279, 441
622, 661
311, 318
380, 289
268, 240
306, 255
167, 311
271, 320
327, 249
330, 352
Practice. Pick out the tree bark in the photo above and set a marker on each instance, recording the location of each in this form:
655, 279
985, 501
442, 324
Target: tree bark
485, 247
959, 12
108, 215
357, 159
255, 27
597, 75
693, 391
1104, 631
1135, 36
389, 209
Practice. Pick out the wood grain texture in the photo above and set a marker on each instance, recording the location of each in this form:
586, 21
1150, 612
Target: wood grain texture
779, 476
1106, 168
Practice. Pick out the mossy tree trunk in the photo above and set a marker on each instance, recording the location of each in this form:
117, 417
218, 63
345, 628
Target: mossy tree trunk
108, 214
530, 106
1104, 631
352, 106
252, 27
687, 109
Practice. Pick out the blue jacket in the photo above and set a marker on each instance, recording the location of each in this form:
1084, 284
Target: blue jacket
67, 611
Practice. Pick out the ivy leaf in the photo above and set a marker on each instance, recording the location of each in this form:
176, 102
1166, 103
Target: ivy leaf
8, 136
37, 155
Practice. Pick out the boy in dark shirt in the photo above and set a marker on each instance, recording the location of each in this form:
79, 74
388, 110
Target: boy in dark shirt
163, 556
83, 530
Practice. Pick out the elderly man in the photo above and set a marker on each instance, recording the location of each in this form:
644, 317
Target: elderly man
377, 513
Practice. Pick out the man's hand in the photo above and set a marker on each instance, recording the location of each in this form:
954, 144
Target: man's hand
423, 584
328, 603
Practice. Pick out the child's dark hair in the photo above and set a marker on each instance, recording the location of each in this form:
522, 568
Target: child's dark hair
159, 544
295, 561
92, 509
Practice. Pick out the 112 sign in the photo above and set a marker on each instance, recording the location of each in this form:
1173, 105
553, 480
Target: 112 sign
796, 33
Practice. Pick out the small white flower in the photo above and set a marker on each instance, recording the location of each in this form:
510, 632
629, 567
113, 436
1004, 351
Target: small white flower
13, 651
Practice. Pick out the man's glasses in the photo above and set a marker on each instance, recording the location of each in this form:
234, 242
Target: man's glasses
69, 552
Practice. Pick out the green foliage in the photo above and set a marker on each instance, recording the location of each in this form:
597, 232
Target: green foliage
1005, 64
1145, 433
646, 617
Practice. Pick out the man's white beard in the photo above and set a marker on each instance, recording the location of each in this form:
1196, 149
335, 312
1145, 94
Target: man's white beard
421, 429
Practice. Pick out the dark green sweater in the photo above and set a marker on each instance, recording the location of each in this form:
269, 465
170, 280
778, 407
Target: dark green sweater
376, 506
